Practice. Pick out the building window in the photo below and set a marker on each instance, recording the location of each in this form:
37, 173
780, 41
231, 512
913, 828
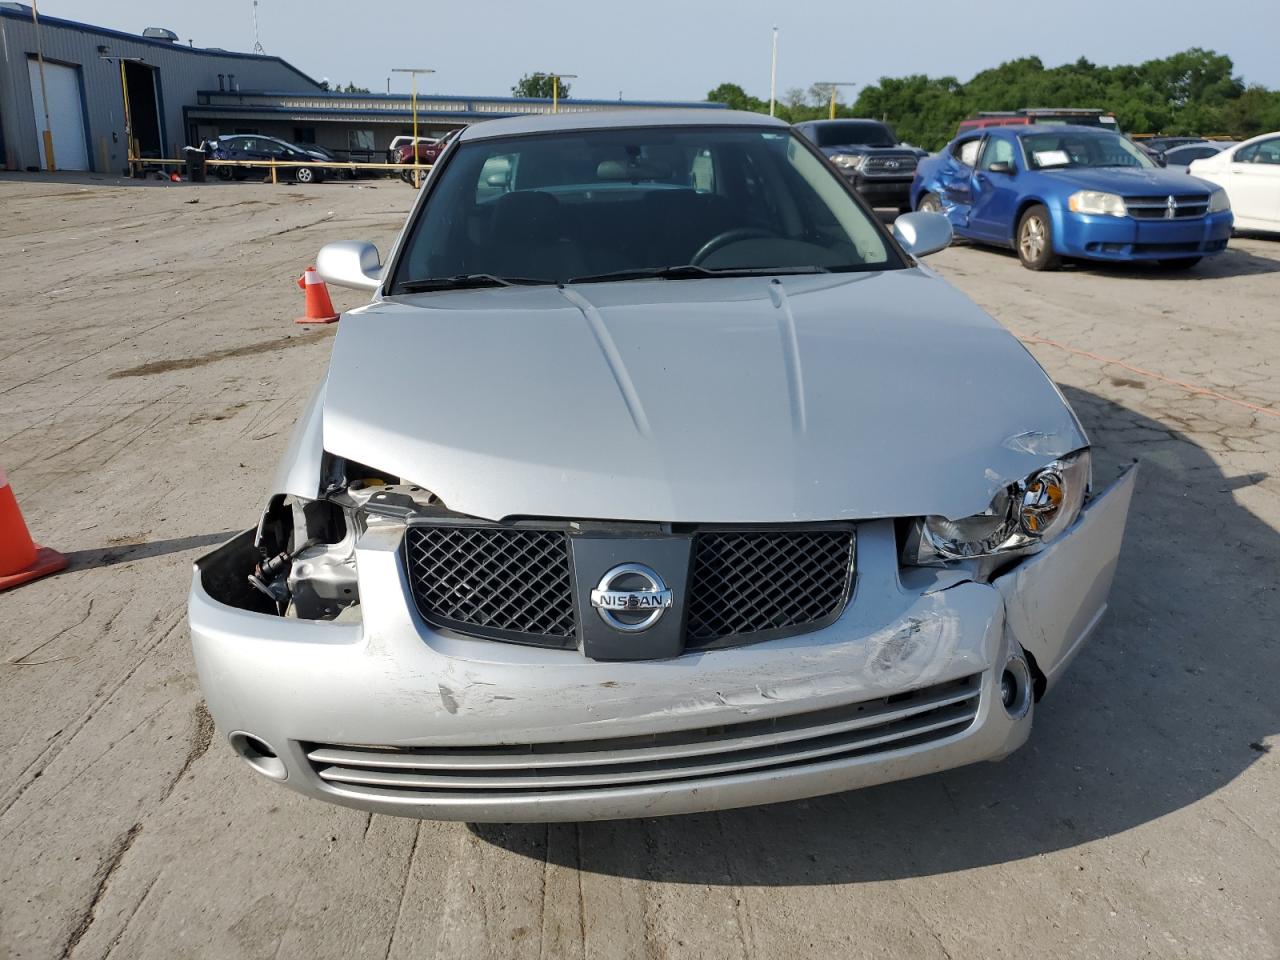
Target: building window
359, 139
304, 134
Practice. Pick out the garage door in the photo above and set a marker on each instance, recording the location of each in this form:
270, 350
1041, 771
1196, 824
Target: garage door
66, 114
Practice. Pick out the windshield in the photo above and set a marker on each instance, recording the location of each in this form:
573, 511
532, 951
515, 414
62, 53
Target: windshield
1077, 148
586, 204
865, 132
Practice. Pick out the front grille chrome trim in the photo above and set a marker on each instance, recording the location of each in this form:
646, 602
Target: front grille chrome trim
923, 716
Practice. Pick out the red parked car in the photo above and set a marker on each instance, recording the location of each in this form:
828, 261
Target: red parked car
428, 153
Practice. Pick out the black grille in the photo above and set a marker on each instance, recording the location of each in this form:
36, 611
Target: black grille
889, 166
762, 582
505, 582
1185, 207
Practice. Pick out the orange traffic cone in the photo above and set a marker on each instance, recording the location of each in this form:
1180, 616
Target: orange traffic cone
21, 559
175, 177
319, 306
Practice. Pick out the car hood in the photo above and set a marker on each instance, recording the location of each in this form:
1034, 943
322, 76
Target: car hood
721, 400
1128, 181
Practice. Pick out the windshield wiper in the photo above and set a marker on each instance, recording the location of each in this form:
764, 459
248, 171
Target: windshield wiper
465, 281
691, 271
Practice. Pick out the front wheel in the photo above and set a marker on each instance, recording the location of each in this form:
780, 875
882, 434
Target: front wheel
304, 175
929, 203
1178, 263
1035, 240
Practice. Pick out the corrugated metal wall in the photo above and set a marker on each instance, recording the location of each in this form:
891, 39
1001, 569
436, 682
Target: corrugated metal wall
182, 71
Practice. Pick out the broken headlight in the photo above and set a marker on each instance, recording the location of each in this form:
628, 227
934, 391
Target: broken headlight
1023, 515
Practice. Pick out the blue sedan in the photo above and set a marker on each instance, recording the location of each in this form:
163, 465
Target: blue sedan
1066, 191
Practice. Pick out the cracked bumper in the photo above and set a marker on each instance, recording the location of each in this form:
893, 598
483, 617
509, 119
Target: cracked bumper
392, 716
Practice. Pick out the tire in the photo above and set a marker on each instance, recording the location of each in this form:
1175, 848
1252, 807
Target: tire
1178, 263
1034, 241
224, 173
930, 203
305, 175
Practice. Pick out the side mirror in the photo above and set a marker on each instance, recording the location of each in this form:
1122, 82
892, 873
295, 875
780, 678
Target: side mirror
922, 233
1002, 166
350, 263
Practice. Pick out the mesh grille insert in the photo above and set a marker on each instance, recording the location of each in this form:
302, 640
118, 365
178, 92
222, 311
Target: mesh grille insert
506, 580
753, 581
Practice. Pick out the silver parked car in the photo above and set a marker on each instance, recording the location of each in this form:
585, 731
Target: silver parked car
658, 476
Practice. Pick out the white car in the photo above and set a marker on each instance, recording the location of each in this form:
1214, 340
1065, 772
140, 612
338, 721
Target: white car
1250, 173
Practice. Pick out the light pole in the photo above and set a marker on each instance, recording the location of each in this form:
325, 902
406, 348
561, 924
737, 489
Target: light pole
129, 151
555, 87
834, 84
773, 74
49, 161
413, 72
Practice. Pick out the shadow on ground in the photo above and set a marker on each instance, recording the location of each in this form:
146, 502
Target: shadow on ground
126, 552
1170, 701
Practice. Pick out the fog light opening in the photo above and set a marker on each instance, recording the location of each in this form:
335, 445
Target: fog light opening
259, 754
1016, 688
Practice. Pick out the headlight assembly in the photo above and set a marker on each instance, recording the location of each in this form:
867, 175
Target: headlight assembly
848, 161
1023, 515
1094, 201
1218, 202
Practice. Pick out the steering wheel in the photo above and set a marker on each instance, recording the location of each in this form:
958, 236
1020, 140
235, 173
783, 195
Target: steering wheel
726, 237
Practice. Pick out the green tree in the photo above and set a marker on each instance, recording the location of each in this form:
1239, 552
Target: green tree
538, 86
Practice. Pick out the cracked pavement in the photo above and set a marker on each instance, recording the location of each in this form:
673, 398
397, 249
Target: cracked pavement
150, 374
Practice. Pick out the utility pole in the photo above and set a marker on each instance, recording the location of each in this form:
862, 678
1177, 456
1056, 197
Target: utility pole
257, 44
413, 72
49, 161
773, 75
834, 84
555, 87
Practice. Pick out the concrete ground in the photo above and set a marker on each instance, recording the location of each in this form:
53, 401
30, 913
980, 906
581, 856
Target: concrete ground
150, 373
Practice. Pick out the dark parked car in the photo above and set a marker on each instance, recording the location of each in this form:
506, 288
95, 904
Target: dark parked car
1181, 156
869, 156
257, 147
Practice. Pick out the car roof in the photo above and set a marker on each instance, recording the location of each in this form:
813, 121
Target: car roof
615, 120
824, 122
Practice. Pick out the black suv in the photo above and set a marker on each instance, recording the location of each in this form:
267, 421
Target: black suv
869, 156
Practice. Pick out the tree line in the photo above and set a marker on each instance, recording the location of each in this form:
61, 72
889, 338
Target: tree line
1194, 92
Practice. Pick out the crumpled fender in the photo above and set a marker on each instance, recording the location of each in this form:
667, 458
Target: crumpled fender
1054, 600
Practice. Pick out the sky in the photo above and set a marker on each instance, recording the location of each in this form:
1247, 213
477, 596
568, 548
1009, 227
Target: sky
679, 50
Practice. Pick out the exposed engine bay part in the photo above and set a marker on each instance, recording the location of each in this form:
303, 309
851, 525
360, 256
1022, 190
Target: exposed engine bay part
306, 557
303, 553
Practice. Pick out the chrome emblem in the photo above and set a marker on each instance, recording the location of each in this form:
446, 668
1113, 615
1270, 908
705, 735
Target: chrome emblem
1170, 208
891, 164
631, 597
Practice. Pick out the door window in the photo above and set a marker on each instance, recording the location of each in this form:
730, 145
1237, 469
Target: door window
997, 150
1267, 151
966, 151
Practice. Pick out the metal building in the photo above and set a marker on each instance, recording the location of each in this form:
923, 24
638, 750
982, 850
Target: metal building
360, 126
87, 73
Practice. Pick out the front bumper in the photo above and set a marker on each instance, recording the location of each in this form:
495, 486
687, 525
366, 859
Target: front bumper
882, 191
392, 716
1124, 238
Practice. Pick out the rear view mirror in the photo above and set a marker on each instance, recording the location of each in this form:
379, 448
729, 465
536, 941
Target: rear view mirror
350, 263
1001, 166
922, 233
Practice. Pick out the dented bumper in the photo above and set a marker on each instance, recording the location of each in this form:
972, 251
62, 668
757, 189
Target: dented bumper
392, 716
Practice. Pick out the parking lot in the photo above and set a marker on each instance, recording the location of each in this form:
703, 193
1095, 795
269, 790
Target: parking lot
150, 374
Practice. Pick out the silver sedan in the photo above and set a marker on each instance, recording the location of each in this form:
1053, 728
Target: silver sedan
658, 476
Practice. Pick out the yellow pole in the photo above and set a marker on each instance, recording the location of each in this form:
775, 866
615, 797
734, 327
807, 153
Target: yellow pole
129, 151
49, 161
833, 101
416, 182
555, 93
273, 171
